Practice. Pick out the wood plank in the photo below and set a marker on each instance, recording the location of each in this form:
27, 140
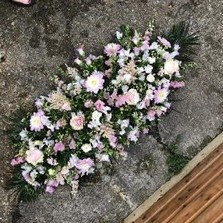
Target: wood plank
185, 190
190, 210
210, 213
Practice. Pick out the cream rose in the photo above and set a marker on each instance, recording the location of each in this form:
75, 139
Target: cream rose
171, 66
86, 147
34, 156
77, 122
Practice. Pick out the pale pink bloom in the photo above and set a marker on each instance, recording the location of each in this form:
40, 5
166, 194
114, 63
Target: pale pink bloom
160, 95
103, 157
88, 103
177, 84
145, 45
85, 166
25, 2
78, 61
94, 82
59, 147
81, 51
51, 186
164, 42
72, 144
17, 160
132, 97
151, 115
99, 105
113, 141
108, 62
134, 134
121, 100
136, 50
34, 156
145, 131
77, 122
72, 161
112, 49
52, 161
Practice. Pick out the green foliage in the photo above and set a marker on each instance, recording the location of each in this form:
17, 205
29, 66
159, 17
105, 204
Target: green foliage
175, 161
180, 34
24, 191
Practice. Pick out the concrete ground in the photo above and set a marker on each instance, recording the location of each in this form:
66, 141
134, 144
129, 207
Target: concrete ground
39, 38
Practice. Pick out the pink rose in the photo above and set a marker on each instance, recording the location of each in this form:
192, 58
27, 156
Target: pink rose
99, 105
132, 97
34, 156
77, 122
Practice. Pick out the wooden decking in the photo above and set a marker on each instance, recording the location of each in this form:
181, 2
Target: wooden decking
197, 198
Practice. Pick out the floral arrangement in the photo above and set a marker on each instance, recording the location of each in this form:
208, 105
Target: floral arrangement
100, 105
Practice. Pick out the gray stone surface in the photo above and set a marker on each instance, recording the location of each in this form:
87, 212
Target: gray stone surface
39, 38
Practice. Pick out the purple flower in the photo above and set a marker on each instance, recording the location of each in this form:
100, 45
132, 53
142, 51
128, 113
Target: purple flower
112, 49
51, 186
59, 147
85, 166
134, 134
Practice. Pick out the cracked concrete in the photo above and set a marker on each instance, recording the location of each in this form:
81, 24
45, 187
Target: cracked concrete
39, 38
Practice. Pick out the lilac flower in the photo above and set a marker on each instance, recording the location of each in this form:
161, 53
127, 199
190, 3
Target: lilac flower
134, 134
94, 82
112, 49
164, 42
88, 103
177, 84
51, 186
72, 161
59, 147
85, 166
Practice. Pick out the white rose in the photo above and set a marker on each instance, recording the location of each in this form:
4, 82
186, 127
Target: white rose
150, 78
171, 66
86, 147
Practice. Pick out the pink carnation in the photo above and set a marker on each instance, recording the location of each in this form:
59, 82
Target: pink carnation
59, 147
99, 105
177, 84
17, 160
34, 156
